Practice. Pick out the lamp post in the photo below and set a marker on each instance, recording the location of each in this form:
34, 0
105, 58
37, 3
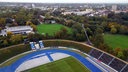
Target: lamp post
89, 42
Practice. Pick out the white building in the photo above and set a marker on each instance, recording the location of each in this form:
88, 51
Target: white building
17, 30
114, 7
33, 5
67, 13
87, 11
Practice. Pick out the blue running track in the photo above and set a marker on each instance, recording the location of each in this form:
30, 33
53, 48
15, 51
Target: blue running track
50, 58
16, 64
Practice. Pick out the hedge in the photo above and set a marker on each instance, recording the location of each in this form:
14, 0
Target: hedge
7, 53
67, 43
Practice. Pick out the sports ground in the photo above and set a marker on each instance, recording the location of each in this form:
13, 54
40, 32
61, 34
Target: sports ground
51, 29
116, 41
52, 60
68, 64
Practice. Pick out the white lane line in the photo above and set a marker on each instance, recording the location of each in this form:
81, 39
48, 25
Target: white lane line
104, 70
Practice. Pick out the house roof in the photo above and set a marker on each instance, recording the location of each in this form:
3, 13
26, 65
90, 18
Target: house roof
18, 28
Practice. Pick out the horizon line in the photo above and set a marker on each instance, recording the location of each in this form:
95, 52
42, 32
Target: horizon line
70, 2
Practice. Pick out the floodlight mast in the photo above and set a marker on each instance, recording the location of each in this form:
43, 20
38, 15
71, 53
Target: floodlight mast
86, 34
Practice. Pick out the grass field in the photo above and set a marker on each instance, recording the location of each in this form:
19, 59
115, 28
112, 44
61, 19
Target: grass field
116, 41
51, 28
69, 64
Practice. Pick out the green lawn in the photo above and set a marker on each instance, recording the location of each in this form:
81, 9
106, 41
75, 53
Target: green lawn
116, 41
69, 64
51, 28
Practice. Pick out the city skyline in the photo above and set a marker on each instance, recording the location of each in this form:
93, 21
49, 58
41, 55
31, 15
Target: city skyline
67, 1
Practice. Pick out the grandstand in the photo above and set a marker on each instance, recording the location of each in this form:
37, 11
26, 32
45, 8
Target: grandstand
110, 60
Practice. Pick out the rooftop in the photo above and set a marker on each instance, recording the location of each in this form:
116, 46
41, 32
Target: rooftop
16, 28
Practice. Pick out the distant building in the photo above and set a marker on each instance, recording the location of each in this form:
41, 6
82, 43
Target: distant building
77, 12
67, 13
41, 18
114, 7
17, 30
50, 21
33, 5
89, 10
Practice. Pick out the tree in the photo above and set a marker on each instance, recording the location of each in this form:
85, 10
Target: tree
69, 23
116, 50
120, 54
58, 34
80, 37
15, 39
34, 37
9, 33
78, 27
111, 15
98, 39
123, 29
5, 43
64, 30
35, 21
34, 27
113, 30
14, 16
104, 24
125, 52
21, 16
63, 33
47, 15
99, 31
2, 22
29, 23
0, 29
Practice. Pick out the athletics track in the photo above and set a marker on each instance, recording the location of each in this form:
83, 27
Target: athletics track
80, 58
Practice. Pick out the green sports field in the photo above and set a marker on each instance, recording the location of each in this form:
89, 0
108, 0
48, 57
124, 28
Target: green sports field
116, 41
51, 28
68, 64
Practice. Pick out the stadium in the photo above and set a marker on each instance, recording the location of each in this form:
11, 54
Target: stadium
63, 56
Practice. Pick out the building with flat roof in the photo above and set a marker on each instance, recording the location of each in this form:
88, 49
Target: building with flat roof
17, 30
114, 7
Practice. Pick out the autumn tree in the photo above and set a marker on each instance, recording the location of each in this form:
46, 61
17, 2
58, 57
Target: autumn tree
120, 54
15, 39
34, 27
2, 22
9, 33
29, 23
5, 42
47, 15
123, 29
113, 30
0, 29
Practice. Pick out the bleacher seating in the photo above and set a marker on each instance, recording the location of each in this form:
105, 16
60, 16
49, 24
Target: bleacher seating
105, 58
117, 64
125, 69
96, 53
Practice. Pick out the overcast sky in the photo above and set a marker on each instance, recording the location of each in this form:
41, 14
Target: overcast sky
68, 1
